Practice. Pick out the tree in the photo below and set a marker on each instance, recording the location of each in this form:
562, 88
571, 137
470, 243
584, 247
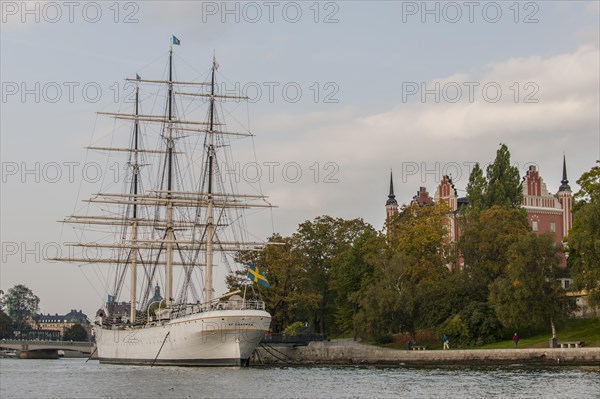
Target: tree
584, 250
436, 301
324, 244
584, 238
21, 305
590, 185
412, 254
456, 329
6, 326
294, 328
418, 233
504, 187
289, 298
485, 241
351, 267
494, 219
476, 189
501, 186
75, 333
386, 299
482, 323
529, 294
313, 273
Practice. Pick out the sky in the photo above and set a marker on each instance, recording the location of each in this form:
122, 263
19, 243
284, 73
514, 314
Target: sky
340, 94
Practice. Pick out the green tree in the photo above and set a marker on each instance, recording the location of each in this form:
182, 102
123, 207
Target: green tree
485, 241
75, 333
456, 329
504, 187
313, 273
21, 305
438, 300
289, 298
386, 299
351, 267
324, 244
476, 189
494, 219
418, 233
584, 238
413, 253
529, 294
482, 323
500, 187
590, 185
294, 328
6, 326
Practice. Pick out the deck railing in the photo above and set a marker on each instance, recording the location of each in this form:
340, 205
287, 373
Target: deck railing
182, 310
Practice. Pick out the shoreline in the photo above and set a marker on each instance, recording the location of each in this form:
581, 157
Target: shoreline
348, 352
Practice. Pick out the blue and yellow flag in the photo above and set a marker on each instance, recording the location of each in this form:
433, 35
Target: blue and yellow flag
257, 276
110, 299
176, 41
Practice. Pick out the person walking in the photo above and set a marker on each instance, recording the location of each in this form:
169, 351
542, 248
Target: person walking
515, 339
446, 342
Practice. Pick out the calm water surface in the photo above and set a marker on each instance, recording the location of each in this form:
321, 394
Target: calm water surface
72, 378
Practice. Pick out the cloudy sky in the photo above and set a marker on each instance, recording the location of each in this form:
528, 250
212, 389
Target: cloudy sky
341, 92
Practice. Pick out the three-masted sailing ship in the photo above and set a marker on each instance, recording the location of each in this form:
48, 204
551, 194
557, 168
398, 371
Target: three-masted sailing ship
160, 228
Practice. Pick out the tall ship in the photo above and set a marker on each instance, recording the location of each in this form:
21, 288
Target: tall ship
174, 219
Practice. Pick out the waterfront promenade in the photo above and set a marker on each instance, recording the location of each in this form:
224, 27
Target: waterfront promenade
350, 352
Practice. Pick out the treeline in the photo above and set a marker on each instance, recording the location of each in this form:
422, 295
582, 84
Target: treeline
19, 311
345, 278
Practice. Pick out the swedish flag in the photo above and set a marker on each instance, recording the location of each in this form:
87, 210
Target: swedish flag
257, 276
176, 41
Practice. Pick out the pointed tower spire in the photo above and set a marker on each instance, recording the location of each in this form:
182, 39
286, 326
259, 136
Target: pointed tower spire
564, 182
391, 197
564, 196
391, 205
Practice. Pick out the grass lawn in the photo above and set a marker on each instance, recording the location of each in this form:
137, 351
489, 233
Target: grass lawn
586, 330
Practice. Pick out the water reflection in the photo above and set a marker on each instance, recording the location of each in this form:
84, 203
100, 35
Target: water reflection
72, 378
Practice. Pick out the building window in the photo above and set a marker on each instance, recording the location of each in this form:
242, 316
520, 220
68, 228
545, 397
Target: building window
534, 225
552, 227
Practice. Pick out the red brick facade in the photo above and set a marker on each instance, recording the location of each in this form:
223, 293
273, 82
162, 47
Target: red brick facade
447, 193
546, 213
422, 198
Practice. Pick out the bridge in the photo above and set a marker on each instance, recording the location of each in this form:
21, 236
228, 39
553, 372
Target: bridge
36, 349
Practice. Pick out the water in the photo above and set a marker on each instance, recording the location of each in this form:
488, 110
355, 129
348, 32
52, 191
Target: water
72, 378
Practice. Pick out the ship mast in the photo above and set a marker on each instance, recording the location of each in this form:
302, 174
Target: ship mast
210, 227
169, 236
134, 232
151, 251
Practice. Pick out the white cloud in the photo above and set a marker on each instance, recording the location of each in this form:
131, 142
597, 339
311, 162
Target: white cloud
568, 101
435, 135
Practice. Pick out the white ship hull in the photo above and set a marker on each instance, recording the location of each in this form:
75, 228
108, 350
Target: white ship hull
213, 338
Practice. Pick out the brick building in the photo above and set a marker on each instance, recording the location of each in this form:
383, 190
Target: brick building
546, 212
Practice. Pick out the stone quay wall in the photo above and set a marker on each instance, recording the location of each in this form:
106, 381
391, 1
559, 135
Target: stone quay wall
339, 352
